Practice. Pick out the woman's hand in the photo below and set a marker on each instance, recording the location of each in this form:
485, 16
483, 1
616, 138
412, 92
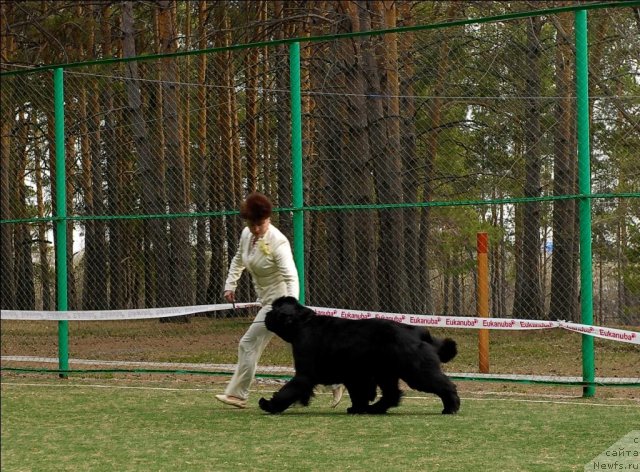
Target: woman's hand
230, 296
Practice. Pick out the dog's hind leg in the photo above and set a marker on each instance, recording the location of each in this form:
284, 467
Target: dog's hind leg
298, 389
390, 398
439, 384
448, 393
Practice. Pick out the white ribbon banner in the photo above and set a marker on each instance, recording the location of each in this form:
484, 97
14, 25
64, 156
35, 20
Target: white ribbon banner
482, 323
600, 332
469, 322
112, 315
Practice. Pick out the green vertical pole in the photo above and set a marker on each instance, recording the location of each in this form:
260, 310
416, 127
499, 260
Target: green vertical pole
61, 219
584, 204
296, 157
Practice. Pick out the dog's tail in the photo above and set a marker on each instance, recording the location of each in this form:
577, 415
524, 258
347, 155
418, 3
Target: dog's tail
446, 348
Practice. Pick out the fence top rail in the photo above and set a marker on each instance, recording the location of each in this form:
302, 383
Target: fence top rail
403, 29
320, 208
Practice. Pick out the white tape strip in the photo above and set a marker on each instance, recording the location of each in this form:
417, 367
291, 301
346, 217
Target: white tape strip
606, 333
411, 319
482, 323
111, 315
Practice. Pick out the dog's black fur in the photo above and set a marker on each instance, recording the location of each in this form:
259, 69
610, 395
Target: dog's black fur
362, 355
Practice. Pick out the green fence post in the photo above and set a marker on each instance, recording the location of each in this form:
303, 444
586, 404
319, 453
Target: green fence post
584, 204
296, 157
61, 219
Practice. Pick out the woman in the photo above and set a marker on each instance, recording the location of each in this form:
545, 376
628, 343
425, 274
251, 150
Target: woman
266, 253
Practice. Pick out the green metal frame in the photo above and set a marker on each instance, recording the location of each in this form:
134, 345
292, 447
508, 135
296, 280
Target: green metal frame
584, 197
61, 219
584, 203
296, 157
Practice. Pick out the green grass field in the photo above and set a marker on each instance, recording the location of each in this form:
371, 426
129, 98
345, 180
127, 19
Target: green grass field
148, 423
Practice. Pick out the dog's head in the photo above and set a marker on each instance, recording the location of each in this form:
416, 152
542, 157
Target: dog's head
286, 317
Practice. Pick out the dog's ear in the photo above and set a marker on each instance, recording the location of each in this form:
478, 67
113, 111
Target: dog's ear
284, 301
279, 302
283, 321
296, 309
306, 312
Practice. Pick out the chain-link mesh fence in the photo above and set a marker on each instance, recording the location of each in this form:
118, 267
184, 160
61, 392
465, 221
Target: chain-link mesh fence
412, 143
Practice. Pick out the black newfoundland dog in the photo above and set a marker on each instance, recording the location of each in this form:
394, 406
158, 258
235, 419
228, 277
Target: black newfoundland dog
362, 355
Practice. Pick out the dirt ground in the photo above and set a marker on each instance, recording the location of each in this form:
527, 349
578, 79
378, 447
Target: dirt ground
208, 343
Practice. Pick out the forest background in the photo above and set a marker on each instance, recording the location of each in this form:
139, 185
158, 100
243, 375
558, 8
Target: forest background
467, 114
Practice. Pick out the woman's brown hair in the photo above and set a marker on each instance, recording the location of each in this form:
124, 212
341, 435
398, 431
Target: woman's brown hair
256, 207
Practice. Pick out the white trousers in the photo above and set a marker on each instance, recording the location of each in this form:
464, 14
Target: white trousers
249, 351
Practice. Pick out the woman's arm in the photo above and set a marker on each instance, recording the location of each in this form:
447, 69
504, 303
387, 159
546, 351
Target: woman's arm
287, 267
235, 269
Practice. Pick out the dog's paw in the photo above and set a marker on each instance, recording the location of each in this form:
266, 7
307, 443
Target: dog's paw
377, 409
356, 411
452, 406
265, 405
451, 410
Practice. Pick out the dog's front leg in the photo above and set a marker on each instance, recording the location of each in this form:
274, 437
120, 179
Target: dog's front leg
298, 389
361, 392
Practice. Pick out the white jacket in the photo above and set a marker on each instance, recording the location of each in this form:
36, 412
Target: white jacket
270, 263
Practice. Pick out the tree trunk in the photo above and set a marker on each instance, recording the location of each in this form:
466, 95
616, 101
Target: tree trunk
222, 246
621, 267
528, 302
318, 286
251, 114
46, 279
179, 253
51, 155
94, 291
266, 143
202, 162
95, 242
283, 120
563, 281
497, 264
446, 282
70, 158
7, 255
185, 130
392, 244
339, 162
116, 274
149, 173
426, 303
384, 136
456, 286
25, 289
229, 152
361, 188
408, 150
7, 258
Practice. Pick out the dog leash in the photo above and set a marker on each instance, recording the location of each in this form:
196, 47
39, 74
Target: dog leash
233, 307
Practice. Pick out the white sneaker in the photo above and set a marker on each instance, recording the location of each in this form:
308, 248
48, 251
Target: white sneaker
338, 392
233, 401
